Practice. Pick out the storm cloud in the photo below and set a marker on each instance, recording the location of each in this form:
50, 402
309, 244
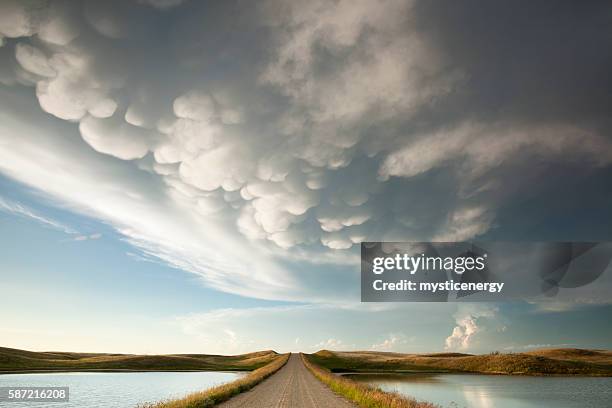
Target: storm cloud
300, 129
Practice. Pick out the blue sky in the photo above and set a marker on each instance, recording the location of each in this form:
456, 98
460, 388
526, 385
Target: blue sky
102, 294
85, 282
183, 176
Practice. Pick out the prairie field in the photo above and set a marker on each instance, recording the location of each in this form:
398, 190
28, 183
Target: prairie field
15, 360
565, 361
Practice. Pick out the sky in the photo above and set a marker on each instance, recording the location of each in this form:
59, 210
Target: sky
197, 176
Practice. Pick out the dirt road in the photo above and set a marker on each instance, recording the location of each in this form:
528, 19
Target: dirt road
292, 386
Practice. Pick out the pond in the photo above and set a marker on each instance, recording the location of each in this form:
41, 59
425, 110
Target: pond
497, 391
116, 390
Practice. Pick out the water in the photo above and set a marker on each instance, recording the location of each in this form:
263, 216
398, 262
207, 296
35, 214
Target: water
493, 391
115, 390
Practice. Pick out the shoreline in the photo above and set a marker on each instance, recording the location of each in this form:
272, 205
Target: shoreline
121, 370
497, 374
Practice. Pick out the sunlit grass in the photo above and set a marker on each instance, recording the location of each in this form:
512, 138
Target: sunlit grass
15, 360
216, 395
537, 362
363, 395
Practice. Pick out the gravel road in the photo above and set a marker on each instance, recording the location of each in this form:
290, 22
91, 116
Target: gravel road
291, 386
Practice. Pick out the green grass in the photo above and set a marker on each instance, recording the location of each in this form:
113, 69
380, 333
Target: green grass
216, 395
539, 362
14, 360
363, 395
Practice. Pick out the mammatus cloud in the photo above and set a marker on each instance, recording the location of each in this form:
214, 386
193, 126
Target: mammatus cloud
316, 126
135, 205
468, 319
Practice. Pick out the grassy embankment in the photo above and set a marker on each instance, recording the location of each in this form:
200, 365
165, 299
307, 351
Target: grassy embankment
14, 360
537, 362
363, 395
216, 395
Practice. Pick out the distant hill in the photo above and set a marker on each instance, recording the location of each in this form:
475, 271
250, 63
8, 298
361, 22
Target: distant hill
537, 362
573, 354
15, 360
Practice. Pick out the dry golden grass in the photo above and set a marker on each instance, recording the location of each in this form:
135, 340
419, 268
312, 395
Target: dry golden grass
361, 394
602, 357
537, 362
216, 395
15, 360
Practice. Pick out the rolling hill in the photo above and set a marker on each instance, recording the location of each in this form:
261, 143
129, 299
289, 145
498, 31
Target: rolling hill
15, 360
537, 362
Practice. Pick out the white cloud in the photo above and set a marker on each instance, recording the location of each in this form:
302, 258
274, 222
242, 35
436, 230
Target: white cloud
289, 326
33, 60
53, 23
232, 322
468, 320
194, 105
331, 344
168, 229
394, 342
547, 345
116, 138
88, 237
162, 4
400, 63
465, 223
107, 20
226, 167
76, 89
479, 148
15, 208
15, 21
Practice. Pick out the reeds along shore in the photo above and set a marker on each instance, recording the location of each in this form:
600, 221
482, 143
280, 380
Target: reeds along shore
216, 395
361, 394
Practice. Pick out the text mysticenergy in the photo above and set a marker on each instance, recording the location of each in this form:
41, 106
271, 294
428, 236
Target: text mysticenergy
450, 285
422, 262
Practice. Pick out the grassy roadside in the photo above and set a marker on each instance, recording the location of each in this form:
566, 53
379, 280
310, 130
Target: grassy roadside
363, 395
216, 395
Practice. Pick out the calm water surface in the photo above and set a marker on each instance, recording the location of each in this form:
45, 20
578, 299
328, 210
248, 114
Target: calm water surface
490, 391
116, 390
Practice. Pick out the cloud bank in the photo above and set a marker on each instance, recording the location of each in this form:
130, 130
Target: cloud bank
311, 128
